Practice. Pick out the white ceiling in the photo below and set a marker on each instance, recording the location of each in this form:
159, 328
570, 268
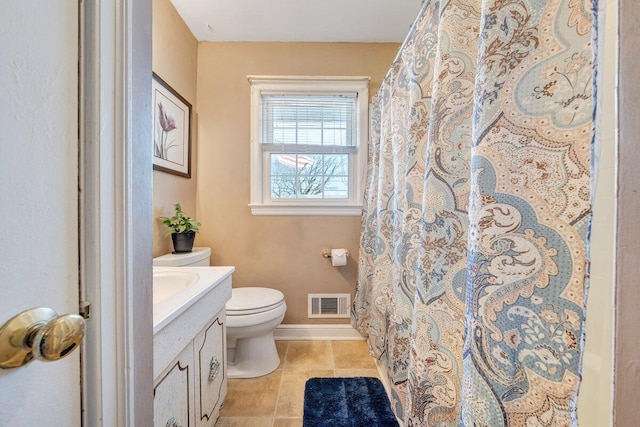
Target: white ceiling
299, 20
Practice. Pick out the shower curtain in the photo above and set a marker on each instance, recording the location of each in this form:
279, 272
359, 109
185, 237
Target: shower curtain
474, 245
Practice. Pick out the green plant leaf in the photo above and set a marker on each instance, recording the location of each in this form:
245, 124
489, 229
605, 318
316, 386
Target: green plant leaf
180, 222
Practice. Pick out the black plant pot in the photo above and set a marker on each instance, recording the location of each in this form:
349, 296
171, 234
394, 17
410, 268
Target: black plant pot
183, 242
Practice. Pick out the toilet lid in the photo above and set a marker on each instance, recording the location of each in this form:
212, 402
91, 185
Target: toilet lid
253, 300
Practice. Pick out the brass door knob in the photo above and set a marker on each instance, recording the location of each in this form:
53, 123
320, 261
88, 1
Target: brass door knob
39, 333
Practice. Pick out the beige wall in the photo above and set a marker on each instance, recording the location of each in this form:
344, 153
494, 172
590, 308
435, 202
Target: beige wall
627, 351
281, 252
175, 58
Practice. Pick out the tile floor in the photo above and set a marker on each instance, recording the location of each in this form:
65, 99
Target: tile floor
276, 400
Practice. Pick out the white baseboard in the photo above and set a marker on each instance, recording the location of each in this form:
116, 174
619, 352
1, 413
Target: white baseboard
317, 332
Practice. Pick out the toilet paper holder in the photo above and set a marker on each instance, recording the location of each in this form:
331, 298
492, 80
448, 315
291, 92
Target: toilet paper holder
327, 253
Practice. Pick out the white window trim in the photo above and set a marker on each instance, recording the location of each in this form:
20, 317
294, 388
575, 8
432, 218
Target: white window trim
261, 203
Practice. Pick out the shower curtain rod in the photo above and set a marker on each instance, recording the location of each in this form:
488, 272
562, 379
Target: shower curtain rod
411, 29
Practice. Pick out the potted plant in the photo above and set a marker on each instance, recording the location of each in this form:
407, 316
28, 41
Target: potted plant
182, 228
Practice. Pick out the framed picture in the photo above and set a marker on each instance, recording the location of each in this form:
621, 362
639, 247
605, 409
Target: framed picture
171, 130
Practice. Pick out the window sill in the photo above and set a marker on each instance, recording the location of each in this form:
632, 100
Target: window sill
316, 210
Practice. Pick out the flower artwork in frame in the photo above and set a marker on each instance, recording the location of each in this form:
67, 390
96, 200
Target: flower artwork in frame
171, 130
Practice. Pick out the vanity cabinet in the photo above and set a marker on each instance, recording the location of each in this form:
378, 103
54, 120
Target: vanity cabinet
189, 360
191, 390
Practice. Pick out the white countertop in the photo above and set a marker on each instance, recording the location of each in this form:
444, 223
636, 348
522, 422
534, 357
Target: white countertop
164, 312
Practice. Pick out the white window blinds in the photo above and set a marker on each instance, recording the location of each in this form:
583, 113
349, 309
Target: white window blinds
320, 120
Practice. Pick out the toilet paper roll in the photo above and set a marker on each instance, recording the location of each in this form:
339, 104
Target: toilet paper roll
338, 257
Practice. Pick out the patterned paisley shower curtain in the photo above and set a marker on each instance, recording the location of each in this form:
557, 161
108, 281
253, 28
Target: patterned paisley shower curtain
473, 259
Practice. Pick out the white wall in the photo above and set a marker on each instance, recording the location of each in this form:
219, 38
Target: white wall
595, 400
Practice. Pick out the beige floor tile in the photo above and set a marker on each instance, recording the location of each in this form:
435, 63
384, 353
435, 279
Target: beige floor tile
244, 422
348, 373
309, 355
254, 402
291, 399
352, 354
252, 397
287, 422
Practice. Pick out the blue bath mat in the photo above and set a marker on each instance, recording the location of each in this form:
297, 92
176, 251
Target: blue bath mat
347, 402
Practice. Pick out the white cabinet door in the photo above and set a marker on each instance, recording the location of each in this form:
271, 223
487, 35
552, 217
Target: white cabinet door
211, 373
172, 402
38, 197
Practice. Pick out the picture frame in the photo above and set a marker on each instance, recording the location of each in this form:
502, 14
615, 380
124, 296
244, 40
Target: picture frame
171, 130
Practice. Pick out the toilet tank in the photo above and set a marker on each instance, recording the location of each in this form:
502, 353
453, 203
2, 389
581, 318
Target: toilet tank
197, 257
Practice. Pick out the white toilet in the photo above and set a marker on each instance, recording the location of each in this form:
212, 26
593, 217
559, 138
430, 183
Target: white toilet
252, 315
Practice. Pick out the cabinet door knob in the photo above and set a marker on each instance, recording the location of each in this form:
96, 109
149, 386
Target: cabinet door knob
39, 333
214, 368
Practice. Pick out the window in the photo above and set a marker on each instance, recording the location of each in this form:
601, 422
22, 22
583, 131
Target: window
308, 145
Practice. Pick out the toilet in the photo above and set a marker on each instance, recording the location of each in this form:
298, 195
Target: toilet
252, 314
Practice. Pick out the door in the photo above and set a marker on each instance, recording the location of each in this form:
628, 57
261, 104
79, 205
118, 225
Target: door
38, 197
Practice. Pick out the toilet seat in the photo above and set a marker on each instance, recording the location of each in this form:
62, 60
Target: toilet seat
253, 300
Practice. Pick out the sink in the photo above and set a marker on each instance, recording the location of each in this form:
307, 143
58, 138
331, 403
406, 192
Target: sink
184, 299
168, 283
176, 289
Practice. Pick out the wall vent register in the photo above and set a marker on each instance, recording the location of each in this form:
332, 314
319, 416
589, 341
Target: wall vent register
329, 306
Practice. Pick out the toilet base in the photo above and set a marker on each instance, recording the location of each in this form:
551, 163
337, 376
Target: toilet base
254, 357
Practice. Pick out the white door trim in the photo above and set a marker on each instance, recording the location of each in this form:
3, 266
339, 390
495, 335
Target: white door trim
115, 205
